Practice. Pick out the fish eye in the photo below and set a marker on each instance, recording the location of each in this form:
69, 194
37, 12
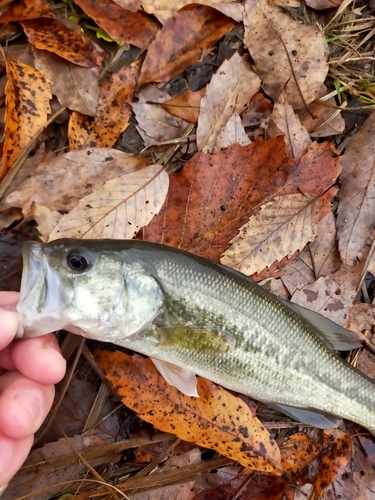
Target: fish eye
77, 262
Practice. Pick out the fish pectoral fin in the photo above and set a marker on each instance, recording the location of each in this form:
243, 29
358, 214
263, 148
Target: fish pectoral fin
313, 417
199, 340
334, 336
184, 380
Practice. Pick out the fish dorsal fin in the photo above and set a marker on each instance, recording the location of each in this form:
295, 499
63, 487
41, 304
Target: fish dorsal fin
333, 335
184, 380
312, 417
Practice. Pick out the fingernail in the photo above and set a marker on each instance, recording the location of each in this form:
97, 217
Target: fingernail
31, 400
6, 458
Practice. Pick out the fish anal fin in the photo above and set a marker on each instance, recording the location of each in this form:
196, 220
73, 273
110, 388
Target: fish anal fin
312, 417
184, 380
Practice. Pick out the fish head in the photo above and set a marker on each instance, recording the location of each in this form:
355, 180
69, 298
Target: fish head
85, 288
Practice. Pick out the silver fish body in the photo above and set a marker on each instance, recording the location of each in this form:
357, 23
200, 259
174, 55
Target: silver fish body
193, 316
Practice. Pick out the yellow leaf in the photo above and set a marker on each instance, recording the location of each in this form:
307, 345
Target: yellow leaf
215, 420
28, 93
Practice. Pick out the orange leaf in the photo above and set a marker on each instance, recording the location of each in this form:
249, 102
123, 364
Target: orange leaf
112, 114
185, 105
135, 28
52, 35
297, 451
180, 42
24, 9
28, 93
336, 456
215, 420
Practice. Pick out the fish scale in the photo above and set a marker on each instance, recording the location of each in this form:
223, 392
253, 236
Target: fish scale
193, 316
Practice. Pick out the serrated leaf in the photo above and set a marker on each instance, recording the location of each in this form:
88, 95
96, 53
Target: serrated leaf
119, 208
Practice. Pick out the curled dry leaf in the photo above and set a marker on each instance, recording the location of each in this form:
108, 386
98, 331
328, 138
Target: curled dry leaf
279, 229
112, 115
283, 121
135, 28
185, 105
355, 220
232, 133
119, 209
286, 53
155, 123
54, 36
215, 420
229, 91
180, 42
75, 87
164, 9
28, 93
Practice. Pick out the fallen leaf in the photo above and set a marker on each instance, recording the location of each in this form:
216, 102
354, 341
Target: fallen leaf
361, 317
335, 457
331, 295
54, 36
283, 121
323, 250
164, 9
355, 219
279, 229
215, 420
185, 105
287, 54
214, 195
33, 482
28, 94
135, 28
112, 115
233, 132
229, 91
323, 4
118, 209
75, 87
68, 178
180, 42
259, 108
23, 9
155, 123
322, 119
298, 451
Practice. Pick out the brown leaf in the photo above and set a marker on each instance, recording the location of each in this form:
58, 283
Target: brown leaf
281, 227
112, 114
23, 9
185, 105
215, 420
155, 123
355, 220
69, 177
135, 28
180, 42
322, 120
75, 87
119, 209
286, 53
283, 121
28, 93
214, 195
230, 89
164, 9
52, 35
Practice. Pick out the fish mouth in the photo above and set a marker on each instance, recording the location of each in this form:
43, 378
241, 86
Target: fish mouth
40, 303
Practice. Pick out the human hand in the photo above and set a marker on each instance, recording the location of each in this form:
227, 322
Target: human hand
28, 371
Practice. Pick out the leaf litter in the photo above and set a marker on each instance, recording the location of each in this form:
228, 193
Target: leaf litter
249, 185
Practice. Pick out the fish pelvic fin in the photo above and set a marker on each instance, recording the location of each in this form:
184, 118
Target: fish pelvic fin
184, 380
314, 417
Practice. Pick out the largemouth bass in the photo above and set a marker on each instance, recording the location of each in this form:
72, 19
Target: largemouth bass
194, 317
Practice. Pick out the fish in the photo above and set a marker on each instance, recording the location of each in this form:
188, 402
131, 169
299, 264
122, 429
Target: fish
192, 316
